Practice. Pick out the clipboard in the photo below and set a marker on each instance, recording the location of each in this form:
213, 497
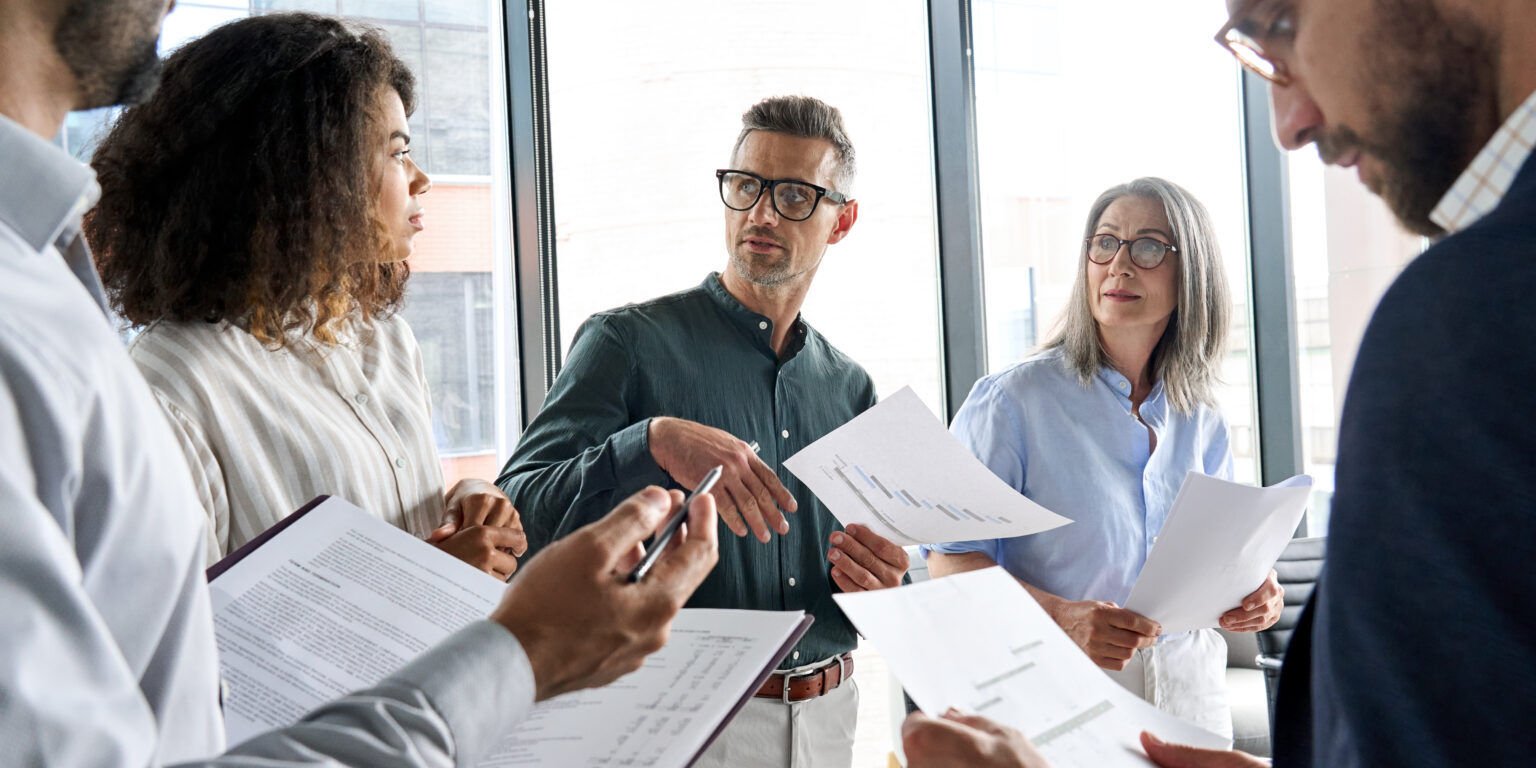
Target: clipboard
217, 569
789, 643
726, 707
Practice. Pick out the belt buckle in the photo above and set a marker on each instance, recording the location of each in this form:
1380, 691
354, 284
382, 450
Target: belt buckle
788, 676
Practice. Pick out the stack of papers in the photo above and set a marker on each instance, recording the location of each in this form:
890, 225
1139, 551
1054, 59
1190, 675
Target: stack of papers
980, 643
1216, 547
336, 599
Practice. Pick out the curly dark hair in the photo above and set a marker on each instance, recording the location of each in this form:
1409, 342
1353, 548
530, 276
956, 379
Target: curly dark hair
242, 190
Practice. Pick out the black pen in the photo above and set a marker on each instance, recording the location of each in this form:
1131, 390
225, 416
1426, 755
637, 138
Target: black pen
672, 525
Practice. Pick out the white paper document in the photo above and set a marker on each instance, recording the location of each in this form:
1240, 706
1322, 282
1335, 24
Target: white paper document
1216, 547
896, 469
979, 642
341, 599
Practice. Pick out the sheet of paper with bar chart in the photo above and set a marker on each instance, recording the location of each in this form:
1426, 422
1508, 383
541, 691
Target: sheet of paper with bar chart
978, 642
896, 469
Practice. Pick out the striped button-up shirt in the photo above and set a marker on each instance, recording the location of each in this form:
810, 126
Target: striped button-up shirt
1482, 185
266, 430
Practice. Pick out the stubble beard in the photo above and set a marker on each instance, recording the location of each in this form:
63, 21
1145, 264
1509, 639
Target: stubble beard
759, 271
1440, 111
110, 48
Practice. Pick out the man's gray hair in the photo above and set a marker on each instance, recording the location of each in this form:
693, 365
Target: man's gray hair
807, 118
1188, 357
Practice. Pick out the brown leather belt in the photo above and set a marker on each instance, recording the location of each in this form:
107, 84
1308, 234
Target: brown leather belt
799, 686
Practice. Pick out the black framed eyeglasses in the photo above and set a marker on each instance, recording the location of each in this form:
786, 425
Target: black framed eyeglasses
793, 200
1146, 252
1260, 34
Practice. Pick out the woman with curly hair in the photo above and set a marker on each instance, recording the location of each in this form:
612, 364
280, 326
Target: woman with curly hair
255, 220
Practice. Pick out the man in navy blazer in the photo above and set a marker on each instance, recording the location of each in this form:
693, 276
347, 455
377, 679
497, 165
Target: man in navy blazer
1419, 645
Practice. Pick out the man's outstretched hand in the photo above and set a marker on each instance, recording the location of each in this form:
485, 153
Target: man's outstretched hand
749, 495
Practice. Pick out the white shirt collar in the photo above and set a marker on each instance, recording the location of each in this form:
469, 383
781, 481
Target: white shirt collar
46, 190
1482, 186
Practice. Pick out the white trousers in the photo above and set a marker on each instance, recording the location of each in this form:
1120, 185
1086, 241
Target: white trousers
1185, 676
767, 733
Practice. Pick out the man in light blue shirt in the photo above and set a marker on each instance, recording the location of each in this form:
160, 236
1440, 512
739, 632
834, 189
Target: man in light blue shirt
107, 653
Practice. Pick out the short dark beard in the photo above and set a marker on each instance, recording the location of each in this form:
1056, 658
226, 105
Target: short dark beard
1437, 105
110, 48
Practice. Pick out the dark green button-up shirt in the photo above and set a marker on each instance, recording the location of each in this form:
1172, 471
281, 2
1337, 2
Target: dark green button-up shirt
702, 356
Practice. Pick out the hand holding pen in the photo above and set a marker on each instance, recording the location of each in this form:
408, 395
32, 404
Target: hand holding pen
665, 536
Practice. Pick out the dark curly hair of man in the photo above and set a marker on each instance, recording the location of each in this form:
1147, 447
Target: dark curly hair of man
242, 190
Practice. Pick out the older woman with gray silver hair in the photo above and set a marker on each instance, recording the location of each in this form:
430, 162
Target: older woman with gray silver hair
1102, 426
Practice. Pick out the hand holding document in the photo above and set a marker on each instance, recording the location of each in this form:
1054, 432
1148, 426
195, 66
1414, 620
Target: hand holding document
334, 600
1216, 547
897, 470
979, 642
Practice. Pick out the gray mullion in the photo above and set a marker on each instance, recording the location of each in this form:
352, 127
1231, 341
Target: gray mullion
1272, 289
533, 231
962, 310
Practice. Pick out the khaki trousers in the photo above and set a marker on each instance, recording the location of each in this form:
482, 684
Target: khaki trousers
815, 733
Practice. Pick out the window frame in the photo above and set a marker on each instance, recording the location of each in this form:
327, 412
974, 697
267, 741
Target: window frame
962, 313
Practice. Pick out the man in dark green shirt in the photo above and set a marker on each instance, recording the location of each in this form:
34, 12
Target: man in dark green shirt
727, 373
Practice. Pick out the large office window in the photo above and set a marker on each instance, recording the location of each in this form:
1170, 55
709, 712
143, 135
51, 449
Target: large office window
645, 103
460, 289
1346, 249
1076, 96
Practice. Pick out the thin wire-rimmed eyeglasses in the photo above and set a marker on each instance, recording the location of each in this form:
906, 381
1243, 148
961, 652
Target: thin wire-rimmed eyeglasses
792, 199
1258, 33
1146, 252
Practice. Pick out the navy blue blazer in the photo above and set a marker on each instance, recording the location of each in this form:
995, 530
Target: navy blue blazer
1419, 647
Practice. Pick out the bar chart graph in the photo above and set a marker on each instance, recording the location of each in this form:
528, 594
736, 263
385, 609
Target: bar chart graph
1006, 659
897, 469
869, 489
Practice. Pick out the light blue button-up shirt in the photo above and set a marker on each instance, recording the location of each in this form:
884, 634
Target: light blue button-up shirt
1078, 451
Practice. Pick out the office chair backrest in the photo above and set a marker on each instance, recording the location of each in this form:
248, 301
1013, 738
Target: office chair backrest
1297, 570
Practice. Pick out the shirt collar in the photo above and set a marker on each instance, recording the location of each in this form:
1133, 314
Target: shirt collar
756, 326
57, 191
1483, 184
1122, 387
